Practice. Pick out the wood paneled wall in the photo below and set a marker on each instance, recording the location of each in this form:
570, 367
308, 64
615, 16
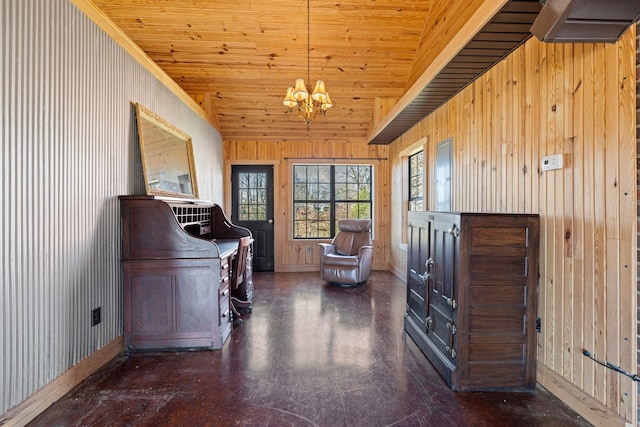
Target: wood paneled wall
638, 217
577, 100
290, 254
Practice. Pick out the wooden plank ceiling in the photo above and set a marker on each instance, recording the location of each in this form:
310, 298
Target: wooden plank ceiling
237, 57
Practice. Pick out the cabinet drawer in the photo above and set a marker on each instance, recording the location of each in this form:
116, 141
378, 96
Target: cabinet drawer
226, 320
224, 269
225, 310
224, 303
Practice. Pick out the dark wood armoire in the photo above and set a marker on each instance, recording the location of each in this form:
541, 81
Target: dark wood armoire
472, 290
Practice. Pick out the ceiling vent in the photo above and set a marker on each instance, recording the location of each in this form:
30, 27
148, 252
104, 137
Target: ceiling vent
585, 21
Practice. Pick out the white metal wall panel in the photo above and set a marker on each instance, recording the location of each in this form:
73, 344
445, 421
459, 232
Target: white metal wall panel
69, 148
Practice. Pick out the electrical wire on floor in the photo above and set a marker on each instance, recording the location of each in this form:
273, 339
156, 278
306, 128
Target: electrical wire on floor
610, 365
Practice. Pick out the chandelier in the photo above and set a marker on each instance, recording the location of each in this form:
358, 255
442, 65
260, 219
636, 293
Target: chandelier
300, 98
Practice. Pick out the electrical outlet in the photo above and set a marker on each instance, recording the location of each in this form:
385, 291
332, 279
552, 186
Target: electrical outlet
95, 316
538, 325
309, 250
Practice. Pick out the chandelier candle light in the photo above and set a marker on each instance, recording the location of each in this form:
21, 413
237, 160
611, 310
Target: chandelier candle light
298, 98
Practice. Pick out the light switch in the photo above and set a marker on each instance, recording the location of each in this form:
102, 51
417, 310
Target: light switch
552, 162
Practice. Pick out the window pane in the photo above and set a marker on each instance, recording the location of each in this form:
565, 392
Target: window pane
324, 174
300, 211
300, 173
324, 192
313, 192
363, 192
300, 192
352, 191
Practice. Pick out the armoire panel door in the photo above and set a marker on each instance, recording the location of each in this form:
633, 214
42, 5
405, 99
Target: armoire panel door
417, 283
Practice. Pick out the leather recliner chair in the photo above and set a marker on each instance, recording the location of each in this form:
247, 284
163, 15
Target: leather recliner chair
347, 259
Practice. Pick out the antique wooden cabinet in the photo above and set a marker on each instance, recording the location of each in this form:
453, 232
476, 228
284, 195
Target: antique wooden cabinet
471, 297
176, 260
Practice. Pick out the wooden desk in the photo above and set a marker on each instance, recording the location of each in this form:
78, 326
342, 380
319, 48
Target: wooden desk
176, 273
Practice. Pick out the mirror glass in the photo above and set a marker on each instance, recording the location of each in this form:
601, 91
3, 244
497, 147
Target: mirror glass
167, 156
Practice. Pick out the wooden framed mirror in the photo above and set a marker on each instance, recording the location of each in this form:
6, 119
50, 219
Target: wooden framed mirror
167, 156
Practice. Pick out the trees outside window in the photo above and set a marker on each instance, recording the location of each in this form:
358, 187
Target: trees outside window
416, 181
324, 194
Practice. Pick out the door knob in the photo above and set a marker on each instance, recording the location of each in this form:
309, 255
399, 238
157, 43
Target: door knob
270, 220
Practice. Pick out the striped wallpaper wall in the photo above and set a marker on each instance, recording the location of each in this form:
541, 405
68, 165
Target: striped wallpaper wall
69, 148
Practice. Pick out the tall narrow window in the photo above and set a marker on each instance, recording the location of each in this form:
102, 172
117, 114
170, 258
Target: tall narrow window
324, 194
416, 181
443, 175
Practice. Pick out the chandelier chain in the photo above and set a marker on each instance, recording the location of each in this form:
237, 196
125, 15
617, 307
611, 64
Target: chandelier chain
301, 98
309, 41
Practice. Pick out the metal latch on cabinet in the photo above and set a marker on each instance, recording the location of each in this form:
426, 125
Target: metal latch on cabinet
427, 274
452, 328
452, 332
454, 231
451, 302
451, 352
429, 323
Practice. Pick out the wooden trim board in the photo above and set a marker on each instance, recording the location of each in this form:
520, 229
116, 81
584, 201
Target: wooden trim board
479, 19
38, 402
108, 26
588, 407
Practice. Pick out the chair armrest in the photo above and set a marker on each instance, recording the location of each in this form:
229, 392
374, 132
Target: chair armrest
364, 251
365, 256
327, 249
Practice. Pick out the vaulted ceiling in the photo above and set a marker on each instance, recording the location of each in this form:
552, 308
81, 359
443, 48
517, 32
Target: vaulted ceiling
236, 58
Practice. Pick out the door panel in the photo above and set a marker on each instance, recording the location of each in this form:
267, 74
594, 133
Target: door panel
442, 299
252, 207
417, 285
443, 254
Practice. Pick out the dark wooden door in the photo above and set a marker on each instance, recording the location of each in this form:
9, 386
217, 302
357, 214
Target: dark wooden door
252, 207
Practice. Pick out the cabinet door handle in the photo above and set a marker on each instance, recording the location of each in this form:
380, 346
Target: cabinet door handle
429, 323
451, 352
454, 231
225, 292
225, 314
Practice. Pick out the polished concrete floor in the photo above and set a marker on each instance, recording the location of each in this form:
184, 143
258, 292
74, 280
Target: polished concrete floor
310, 354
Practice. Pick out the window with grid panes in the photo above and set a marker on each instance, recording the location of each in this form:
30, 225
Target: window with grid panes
252, 192
416, 181
324, 194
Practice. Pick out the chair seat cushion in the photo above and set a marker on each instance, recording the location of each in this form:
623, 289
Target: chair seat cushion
341, 260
